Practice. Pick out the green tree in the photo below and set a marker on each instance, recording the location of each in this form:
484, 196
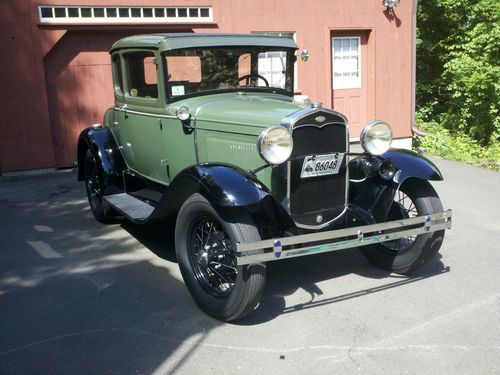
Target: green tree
458, 76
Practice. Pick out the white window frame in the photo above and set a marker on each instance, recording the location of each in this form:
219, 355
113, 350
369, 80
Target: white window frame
350, 82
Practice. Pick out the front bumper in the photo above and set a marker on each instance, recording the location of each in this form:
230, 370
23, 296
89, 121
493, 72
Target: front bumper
324, 242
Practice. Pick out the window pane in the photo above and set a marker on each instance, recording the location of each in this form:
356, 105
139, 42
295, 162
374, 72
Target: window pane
147, 12
98, 12
136, 12
142, 76
346, 64
182, 12
272, 66
123, 12
160, 12
117, 74
46, 12
111, 12
193, 12
204, 12
170, 12
73, 12
60, 12
86, 12
354, 45
201, 69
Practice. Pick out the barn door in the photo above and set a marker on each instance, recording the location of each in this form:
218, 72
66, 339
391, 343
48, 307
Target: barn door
349, 77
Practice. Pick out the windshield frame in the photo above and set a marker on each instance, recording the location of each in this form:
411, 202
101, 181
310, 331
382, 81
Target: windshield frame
290, 66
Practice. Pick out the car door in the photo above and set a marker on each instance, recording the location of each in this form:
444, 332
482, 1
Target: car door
138, 122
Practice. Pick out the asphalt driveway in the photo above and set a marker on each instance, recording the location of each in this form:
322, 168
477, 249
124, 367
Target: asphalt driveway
77, 297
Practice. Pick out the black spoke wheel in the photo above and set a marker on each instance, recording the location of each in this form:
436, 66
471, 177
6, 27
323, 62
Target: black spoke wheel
403, 207
414, 198
205, 244
212, 256
93, 184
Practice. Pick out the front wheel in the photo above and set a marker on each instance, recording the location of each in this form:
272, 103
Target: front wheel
414, 198
205, 245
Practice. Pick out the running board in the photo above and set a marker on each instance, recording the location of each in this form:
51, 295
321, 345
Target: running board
134, 209
324, 242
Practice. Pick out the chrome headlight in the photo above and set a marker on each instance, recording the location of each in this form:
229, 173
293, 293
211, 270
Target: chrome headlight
275, 145
376, 137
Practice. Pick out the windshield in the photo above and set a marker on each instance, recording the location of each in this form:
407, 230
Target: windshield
198, 70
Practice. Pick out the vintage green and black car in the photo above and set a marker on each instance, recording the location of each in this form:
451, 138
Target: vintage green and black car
205, 130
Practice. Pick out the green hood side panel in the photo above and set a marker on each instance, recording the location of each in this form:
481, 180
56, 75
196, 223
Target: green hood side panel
228, 127
248, 109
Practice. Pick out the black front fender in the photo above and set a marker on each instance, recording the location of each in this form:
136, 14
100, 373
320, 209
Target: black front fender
228, 189
107, 156
375, 194
412, 164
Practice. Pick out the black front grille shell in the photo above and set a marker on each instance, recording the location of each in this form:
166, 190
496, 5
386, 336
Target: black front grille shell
324, 196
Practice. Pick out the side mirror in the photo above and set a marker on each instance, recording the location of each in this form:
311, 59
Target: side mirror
304, 55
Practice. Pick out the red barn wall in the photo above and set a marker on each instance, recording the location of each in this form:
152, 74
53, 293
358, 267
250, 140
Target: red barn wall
56, 80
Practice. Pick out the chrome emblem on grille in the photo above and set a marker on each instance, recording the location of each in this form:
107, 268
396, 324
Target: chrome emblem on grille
319, 219
320, 118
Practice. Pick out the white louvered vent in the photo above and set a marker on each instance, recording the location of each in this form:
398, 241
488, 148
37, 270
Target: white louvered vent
105, 14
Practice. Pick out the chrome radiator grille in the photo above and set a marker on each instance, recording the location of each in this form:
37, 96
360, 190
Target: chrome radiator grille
315, 201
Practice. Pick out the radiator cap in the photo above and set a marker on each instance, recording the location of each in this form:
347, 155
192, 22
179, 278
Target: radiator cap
316, 105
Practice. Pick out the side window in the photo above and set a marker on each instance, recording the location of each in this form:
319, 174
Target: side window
117, 74
142, 75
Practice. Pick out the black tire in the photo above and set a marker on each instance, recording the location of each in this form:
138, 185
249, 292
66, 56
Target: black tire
406, 255
102, 211
228, 292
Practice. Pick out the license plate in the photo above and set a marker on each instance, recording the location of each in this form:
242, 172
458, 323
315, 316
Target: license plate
321, 165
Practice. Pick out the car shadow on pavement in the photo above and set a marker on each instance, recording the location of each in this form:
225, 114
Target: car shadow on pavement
157, 236
286, 277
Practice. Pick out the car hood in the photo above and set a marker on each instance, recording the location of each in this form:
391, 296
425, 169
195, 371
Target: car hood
253, 110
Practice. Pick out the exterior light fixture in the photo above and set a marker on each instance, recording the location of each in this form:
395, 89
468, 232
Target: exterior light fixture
390, 4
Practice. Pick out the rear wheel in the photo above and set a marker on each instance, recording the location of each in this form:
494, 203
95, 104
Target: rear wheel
102, 211
206, 251
414, 198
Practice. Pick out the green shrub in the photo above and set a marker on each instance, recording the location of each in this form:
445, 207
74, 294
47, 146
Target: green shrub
457, 146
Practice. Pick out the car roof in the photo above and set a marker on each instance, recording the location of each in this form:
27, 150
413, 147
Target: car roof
165, 42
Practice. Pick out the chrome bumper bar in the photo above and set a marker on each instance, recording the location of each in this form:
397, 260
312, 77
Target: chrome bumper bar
268, 250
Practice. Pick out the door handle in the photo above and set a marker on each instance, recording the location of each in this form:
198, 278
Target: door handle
124, 108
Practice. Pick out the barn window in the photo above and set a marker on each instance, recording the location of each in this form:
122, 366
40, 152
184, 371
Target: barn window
60, 12
99, 14
346, 62
73, 12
